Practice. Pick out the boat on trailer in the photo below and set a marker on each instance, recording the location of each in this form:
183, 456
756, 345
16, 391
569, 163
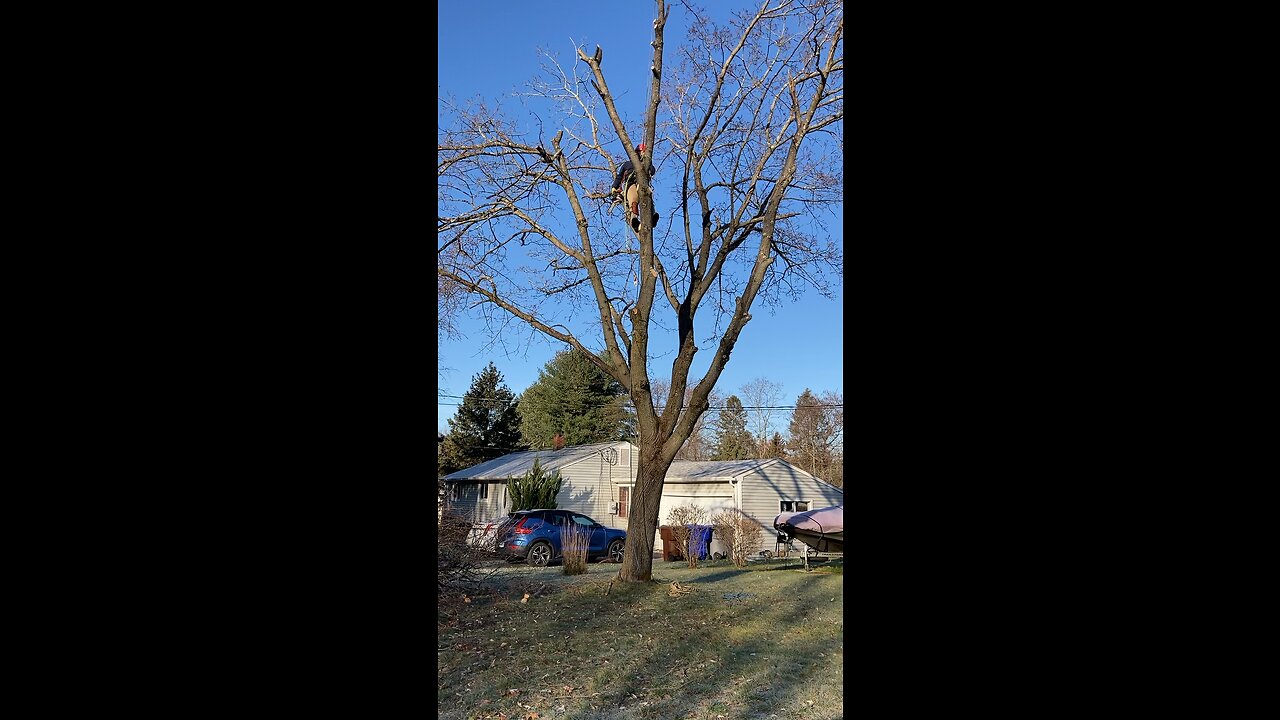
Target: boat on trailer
821, 529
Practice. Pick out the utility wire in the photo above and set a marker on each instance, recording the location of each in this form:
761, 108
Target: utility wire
684, 407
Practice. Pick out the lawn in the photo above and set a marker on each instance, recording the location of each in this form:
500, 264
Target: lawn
586, 647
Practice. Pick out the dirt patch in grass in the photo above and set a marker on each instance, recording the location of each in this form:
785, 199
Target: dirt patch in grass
741, 644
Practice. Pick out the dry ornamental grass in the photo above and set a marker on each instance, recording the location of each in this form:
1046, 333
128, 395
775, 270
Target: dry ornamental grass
575, 540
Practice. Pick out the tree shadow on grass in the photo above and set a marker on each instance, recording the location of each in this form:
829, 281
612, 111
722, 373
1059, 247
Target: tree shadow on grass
635, 651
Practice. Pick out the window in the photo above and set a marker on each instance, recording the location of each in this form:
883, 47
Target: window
792, 505
624, 499
582, 520
484, 490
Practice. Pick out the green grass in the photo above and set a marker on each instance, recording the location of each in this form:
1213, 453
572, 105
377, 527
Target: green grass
573, 652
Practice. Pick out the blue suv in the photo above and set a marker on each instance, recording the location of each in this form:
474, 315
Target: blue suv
534, 536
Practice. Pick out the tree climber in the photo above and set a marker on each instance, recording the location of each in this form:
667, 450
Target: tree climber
626, 184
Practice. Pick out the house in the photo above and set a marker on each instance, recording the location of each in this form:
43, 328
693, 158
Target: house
599, 480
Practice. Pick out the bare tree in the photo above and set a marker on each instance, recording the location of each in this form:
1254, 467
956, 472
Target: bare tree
449, 299
698, 445
761, 393
833, 407
752, 123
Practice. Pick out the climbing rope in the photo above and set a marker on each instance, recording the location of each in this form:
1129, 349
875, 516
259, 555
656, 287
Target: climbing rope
677, 589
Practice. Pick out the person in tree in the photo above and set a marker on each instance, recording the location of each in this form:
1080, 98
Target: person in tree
626, 183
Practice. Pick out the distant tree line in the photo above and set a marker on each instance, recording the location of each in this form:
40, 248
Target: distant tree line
574, 403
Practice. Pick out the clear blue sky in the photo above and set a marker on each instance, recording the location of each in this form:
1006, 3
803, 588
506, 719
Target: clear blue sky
489, 49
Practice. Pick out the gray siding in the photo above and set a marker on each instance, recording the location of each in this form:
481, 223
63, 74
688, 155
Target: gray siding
470, 505
591, 487
762, 490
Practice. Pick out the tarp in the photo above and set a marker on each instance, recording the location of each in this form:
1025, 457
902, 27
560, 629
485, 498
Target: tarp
700, 541
821, 529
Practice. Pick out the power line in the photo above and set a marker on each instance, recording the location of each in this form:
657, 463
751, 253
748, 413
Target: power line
683, 407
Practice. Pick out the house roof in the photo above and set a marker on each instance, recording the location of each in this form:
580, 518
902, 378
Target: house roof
519, 463
702, 470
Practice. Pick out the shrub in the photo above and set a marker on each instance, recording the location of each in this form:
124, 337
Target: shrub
575, 540
738, 532
680, 518
535, 490
746, 538
725, 528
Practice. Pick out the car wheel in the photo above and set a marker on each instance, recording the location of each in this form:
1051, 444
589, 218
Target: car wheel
615, 550
540, 554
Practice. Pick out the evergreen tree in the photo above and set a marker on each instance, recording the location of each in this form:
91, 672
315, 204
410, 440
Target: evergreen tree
449, 458
813, 433
776, 447
733, 440
536, 489
486, 424
576, 399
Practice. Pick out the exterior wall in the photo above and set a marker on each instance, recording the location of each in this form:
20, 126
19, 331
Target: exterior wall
591, 487
759, 493
470, 505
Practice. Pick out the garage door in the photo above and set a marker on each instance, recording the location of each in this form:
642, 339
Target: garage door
674, 496
711, 498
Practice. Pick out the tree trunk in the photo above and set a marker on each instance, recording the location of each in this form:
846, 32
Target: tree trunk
642, 525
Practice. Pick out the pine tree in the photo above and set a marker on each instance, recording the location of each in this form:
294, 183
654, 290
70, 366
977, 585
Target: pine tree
733, 440
449, 458
812, 434
486, 424
574, 398
776, 447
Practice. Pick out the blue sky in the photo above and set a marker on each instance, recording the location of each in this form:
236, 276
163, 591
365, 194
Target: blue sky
489, 49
